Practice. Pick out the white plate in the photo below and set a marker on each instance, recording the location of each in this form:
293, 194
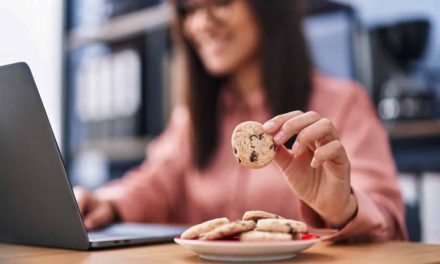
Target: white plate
229, 250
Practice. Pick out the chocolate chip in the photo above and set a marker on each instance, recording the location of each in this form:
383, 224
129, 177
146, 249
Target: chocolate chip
274, 147
291, 230
235, 151
253, 136
239, 160
253, 157
259, 137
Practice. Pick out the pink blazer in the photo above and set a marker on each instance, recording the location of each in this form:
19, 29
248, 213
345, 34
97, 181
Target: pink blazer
168, 188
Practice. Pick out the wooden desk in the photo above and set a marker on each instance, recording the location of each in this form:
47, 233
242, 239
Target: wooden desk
389, 252
413, 129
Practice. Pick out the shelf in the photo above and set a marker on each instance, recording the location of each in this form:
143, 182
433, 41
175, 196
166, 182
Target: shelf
318, 7
412, 129
118, 149
122, 27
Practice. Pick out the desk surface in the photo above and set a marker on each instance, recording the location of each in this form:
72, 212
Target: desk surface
389, 252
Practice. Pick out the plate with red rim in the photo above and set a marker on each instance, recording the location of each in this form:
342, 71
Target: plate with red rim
240, 251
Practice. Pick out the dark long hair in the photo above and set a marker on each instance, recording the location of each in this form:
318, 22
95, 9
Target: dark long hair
286, 71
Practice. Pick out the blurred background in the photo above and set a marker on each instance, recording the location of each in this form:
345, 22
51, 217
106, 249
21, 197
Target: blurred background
103, 71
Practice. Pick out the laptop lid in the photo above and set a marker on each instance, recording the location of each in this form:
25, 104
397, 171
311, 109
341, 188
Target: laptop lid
32, 171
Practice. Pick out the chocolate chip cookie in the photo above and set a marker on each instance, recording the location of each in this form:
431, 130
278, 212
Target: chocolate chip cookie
257, 215
197, 230
251, 146
282, 226
228, 230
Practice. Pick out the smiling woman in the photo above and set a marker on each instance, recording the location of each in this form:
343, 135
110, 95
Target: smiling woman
247, 45
228, 47
248, 60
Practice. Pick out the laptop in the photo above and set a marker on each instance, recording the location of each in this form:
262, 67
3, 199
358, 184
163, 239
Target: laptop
37, 205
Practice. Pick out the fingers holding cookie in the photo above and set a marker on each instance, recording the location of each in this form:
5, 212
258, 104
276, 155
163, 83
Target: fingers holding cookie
274, 124
292, 126
312, 130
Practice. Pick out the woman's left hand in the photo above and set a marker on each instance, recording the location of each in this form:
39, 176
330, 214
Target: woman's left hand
317, 167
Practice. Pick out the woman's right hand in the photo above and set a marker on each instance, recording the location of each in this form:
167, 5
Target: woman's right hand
95, 212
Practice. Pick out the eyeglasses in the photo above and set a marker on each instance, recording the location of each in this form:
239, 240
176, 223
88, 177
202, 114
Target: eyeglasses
215, 8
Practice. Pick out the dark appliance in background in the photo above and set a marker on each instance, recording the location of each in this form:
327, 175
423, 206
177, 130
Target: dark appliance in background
402, 87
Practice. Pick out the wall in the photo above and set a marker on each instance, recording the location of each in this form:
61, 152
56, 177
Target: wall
30, 31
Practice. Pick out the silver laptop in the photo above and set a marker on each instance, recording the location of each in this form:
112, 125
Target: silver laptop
37, 205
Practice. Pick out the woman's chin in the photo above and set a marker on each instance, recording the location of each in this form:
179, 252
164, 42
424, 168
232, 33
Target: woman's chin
217, 71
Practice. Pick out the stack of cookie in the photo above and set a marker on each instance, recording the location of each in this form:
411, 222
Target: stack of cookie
255, 226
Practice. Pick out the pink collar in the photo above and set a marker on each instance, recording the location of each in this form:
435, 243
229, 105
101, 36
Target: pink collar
252, 103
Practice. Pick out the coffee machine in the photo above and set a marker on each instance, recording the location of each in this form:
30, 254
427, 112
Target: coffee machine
402, 88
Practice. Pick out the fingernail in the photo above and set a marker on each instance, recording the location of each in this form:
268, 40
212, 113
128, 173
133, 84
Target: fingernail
295, 148
314, 163
279, 137
268, 125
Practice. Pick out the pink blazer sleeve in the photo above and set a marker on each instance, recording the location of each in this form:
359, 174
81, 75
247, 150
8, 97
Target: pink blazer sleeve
150, 192
373, 174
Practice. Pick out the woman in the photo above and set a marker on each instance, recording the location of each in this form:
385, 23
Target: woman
247, 60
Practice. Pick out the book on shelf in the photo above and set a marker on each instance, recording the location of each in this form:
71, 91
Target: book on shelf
120, 7
86, 13
109, 94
